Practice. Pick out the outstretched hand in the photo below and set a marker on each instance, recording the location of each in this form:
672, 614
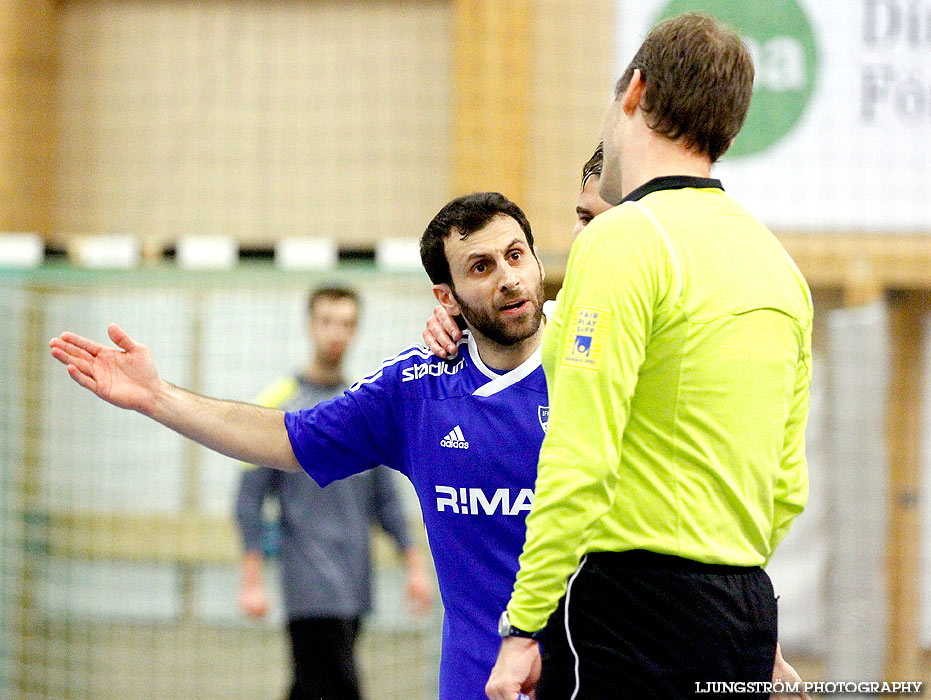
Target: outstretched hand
126, 377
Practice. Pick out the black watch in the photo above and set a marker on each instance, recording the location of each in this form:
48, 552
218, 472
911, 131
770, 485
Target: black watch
506, 629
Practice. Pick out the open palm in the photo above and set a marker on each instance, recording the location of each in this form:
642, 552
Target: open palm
126, 377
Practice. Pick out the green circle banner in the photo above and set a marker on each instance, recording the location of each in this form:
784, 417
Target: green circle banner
785, 55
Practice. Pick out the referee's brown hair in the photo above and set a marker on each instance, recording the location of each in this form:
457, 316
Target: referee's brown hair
699, 79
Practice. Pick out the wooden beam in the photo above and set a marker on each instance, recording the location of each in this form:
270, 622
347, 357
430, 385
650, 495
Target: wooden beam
572, 80
903, 548
890, 261
193, 465
28, 68
30, 481
861, 265
187, 538
184, 538
491, 96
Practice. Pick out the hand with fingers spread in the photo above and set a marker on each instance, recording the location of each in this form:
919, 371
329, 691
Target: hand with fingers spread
442, 333
125, 376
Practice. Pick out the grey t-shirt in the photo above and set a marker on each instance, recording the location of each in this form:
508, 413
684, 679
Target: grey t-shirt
324, 546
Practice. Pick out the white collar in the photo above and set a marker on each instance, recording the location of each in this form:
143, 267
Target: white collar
501, 381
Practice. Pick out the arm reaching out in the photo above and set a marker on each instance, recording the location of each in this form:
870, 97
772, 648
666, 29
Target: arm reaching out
128, 378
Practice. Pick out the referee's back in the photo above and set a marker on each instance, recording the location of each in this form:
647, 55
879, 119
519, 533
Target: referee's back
712, 467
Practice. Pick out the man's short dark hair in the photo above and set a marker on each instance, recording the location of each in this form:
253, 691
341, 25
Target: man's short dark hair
332, 293
464, 216
592, 168
699, 78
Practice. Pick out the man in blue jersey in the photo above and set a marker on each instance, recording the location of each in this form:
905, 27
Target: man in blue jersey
466, 432
443, 332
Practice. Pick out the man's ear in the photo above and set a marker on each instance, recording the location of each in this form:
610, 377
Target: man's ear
444, 295
634, 93
536, 254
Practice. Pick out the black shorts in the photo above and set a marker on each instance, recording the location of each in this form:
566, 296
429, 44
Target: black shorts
323, 651
645, 625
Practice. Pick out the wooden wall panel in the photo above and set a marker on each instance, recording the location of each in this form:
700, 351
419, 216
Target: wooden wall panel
255, 120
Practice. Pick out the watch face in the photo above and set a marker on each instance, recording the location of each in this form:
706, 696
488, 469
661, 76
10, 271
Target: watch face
504, 625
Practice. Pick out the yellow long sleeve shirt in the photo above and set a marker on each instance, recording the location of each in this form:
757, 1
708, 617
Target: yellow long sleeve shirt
678, 362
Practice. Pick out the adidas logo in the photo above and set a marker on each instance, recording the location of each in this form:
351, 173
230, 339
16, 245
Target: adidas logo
455, 439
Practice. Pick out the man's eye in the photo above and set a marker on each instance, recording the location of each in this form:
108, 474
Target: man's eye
516, 255
479, 268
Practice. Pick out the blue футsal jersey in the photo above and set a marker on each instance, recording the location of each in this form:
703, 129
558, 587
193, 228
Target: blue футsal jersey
468, 438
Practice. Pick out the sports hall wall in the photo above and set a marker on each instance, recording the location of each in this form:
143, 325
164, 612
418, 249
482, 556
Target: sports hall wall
354, 121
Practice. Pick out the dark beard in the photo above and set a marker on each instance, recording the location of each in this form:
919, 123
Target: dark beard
499, 331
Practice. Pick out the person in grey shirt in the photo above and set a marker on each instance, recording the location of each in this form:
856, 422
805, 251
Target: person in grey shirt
324, 533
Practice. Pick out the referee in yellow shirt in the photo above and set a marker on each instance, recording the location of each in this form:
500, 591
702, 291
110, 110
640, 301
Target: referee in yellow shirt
678, 363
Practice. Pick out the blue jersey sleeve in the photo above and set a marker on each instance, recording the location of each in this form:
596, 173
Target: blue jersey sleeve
350, 433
